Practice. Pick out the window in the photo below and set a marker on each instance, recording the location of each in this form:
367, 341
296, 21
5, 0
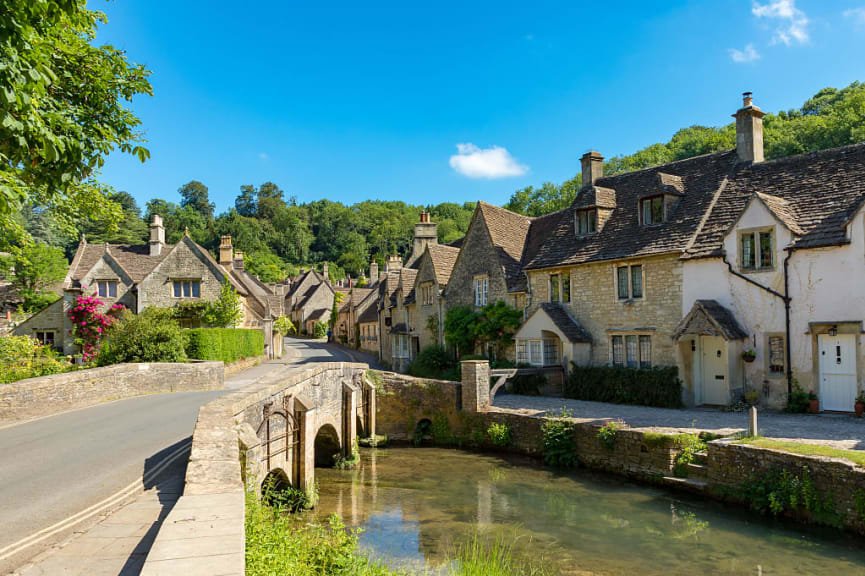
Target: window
652, 210
45, 337
629, 282
187, 288
757, 250
400, 346
566, 287
481, 289
586, 221
632, 350
554, 288
560, 287
107, 288
426, 292
776, 355
538, 352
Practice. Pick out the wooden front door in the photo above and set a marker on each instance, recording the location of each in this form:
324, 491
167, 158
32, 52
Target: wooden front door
837, 371
715, 377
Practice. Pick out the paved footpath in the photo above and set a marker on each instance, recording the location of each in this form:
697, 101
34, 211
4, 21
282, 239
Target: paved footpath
837, 430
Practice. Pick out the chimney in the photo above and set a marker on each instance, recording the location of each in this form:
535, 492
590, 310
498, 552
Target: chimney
749, 130
157, 236
8, 315
425, 233
373, 272
393, 263
238, 260
593, 167
325, 271
226, 252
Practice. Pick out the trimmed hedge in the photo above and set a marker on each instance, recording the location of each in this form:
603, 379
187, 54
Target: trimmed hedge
658, 386
226, 344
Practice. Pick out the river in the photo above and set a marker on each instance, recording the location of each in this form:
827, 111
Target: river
416, 505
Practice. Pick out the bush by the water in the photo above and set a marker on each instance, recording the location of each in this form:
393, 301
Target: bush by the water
23, 357
431, 362
226, 344
658, 386
152, 336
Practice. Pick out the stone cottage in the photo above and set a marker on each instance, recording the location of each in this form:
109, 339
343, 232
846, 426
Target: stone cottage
310, 300
157, 274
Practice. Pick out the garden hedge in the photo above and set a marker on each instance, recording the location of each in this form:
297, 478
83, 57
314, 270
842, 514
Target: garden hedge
226, 344
658, 386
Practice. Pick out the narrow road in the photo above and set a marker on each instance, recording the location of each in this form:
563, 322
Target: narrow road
58, 466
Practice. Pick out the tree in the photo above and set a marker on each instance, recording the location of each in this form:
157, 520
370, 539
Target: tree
131, 229
33, 271
152, 336
226, 311
266, 266
284, 326
245, 203
63, 106
497, 324
459, 329
195, 195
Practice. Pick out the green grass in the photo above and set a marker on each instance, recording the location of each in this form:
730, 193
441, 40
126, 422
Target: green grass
855, 456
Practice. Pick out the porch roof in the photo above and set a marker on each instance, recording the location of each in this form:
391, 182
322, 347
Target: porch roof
708, 318
564, 324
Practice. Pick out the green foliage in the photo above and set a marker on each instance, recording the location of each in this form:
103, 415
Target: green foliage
497, 324
64, 109
226, 344
479, 558
348, 462
284, 326
285, 498
690, 445
226, 310
432, 362
195, 195
780, 491
37, 270
560, 448
657, 386
23, 357
459, 329
320, 330
441, 429
607, 435
377, 441
152, 336
798, 400
859, 504
499, 434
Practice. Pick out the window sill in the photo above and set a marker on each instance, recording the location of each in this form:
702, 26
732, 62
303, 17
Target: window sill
756, 270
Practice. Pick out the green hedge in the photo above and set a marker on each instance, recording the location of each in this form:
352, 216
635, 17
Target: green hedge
226, 344
658, 386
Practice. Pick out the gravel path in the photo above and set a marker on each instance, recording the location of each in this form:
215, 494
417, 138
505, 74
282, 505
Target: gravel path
840, 431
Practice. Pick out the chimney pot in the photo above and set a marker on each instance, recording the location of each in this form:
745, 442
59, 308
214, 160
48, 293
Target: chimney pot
157, 235
749, 130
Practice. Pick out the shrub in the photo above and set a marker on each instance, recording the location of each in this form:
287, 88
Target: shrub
659, 386
226, 344
431, 362
607, 435
348, 462
89, 324
781, 491
798, 400
690, 445
226, 310
288, 498
284, 326
23, 357
559, 446
152, 336
499, 434
320, 330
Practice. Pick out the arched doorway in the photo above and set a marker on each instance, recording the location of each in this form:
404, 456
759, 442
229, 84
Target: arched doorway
327, 446
423, 431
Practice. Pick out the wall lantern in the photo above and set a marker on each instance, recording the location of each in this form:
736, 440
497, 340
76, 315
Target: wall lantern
833, 331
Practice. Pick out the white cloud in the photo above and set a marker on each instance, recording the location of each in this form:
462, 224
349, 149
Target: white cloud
487, 163
749, 54
793, 23
263, 156
856, 14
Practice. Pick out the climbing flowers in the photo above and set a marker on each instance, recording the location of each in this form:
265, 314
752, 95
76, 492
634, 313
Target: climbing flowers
89, 324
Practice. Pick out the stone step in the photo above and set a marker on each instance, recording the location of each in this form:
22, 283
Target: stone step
701, 458
692, 484
697, 471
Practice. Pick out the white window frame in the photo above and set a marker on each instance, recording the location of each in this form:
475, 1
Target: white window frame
756, 233
630, 272
400, 346
534, 351
482, 286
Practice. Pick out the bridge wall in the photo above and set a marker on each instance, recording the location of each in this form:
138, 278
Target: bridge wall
47, 395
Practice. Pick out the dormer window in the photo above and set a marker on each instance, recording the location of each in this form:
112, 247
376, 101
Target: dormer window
757, 253
586, 221
652, 210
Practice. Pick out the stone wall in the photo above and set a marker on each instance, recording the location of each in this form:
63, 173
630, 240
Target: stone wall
51, 394
731, 465
477, 256
182, 263
595, 304
403, 401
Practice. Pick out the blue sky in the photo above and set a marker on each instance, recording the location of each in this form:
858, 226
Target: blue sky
450, 101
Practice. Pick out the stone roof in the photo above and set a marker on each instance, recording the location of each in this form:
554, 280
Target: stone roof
596, 196
508, 231
317, 315
699, 178
443, 260
572, 329
370, 314
708, 317
135, 260
814, 194
400, 328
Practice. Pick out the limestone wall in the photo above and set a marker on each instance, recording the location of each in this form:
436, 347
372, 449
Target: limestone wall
403, 401
46, 395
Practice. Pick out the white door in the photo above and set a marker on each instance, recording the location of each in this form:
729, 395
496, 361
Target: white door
714, 361
837, 371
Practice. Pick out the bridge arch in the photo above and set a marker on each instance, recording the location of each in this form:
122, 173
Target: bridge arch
327, 446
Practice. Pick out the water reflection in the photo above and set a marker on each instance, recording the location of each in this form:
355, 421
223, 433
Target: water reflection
417, 504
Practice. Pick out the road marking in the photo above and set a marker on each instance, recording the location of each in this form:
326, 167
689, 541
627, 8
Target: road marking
93, 510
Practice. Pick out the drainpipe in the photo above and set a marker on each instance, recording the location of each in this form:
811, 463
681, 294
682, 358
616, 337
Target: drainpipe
786, 299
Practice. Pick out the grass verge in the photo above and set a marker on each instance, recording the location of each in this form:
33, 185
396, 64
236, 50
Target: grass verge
855, 456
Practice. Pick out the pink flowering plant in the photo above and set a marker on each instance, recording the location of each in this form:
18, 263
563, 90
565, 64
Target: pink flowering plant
89, 324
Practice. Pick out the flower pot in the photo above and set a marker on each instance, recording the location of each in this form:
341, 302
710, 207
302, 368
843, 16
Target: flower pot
860, 408
814, 406
749, 358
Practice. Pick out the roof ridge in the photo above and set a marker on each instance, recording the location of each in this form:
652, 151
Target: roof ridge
674, 162
794, 157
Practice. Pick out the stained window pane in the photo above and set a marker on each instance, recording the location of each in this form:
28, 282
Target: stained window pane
554, 287
636, 281
177, 293
631, 353
618, 351
196, 289
566, 287
765, 249
645, 351
623, 282
748, 250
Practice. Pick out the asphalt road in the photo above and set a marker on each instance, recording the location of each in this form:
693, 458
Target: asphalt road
55, 467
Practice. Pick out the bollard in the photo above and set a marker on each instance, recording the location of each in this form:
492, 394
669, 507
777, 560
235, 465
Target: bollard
752, 422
